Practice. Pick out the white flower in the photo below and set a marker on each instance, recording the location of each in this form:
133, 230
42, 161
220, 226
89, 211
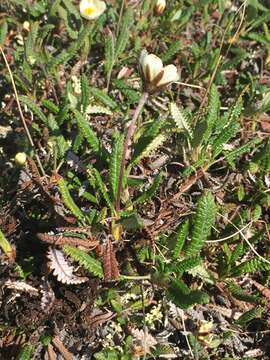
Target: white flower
154, 315
160, 6
92, 9
155, 75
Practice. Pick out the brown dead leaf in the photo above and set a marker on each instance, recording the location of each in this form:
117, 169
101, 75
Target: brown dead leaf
51, 353
143, 342
57, 343
265, 122
110, 263
263, 290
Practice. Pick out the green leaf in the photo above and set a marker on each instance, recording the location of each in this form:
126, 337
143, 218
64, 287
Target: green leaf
5, 245
34, 108
97, 109
115, 164
132, 95
65, 16
249, 315
237, 253
102, 188
72, 9
68, 201
202, 273
240, 294
3, 32
152, 146
263, 157
44, 31
176, 241
104, 98
132, 222
123, 37
89, 263
179, 267
30, 43
181, 295
63, 113
173, 49
26, 353
86, 131
50, 106
148, 135
85, 92
109, 53
227, 134
212, 112
265, 18
180, 119
72, 50
204, 220
236, 110
250, 266
236, 153
149, 193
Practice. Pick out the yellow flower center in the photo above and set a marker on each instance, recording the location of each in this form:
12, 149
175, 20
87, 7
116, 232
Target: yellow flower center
89, 10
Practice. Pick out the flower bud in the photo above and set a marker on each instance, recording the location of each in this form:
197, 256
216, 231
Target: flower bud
26, 26
160, 6
92, 9
20, 158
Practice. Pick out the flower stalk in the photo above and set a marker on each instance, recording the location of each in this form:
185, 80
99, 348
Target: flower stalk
127, 143
155, 77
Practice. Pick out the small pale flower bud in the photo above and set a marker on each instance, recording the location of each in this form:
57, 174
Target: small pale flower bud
20, 158
26, 26
160, 6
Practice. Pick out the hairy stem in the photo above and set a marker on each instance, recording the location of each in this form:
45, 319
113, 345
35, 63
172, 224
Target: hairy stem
132, 277
127, 143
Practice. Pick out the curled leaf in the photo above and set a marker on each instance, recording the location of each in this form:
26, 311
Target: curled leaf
110, 263
21, 286
61, 269
48, 297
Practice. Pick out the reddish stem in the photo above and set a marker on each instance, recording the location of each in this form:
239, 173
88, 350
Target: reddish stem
127, 143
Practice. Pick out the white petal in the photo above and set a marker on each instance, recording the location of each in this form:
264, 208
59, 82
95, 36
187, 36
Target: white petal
143, 56
92, 9
151, 65
155, 65
170, 75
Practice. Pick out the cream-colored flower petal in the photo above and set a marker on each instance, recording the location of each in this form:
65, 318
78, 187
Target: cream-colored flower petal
170, 75
143, 57
151, 65
155, 65
92, 9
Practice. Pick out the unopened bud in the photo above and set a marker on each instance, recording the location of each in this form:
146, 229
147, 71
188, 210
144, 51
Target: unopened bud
20, 158
160, 6
26, 26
